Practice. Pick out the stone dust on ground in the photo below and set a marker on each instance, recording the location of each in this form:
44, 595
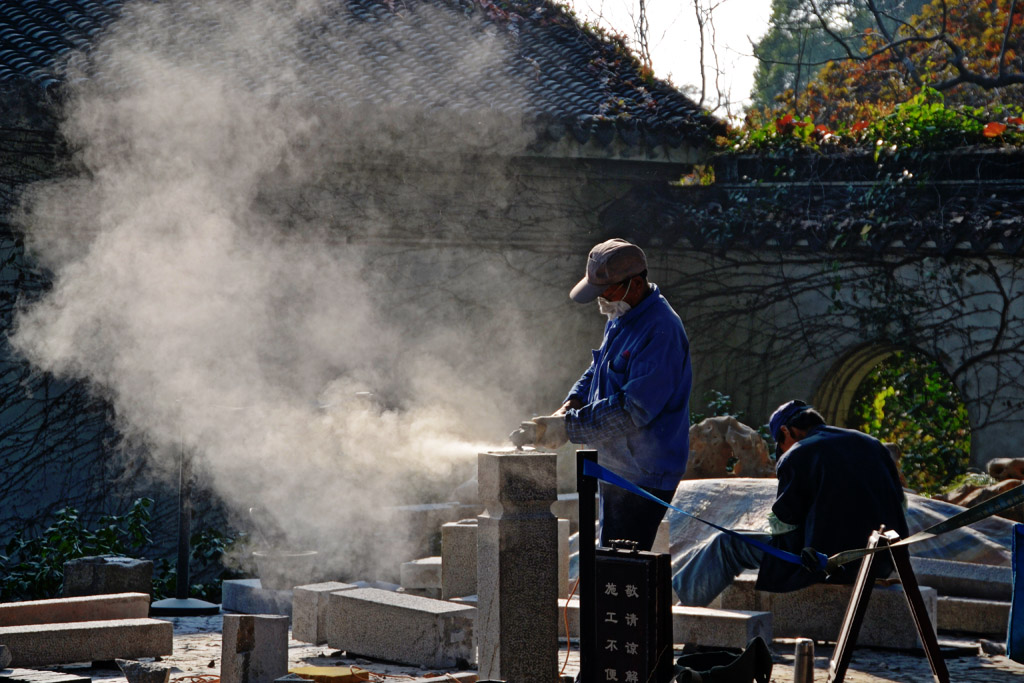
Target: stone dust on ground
197, 650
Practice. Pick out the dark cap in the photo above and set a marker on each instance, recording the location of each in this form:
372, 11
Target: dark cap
609, 263
783, 414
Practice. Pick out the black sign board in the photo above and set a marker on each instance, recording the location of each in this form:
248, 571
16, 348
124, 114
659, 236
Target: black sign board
633, 615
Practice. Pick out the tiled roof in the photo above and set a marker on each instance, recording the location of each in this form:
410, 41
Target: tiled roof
577, 84
962, 204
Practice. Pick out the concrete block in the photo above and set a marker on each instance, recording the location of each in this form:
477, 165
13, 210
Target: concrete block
144, 672
969, 615
422, 573
84, 608
401, 628
458, 558
247, 596
254, 648
105, 574
963, 579
309, 610
719, 628
817, 612
86, 641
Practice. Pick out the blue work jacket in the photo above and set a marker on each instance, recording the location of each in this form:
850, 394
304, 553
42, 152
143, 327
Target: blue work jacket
643, 366
836, 486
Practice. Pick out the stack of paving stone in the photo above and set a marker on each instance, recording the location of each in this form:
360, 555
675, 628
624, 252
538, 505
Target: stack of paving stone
83, 629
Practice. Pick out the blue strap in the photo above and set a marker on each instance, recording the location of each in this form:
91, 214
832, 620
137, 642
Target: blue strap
592, 469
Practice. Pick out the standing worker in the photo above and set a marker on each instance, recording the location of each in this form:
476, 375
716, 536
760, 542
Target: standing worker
633, 403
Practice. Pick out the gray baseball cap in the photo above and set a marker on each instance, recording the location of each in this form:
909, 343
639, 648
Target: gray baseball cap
609, 263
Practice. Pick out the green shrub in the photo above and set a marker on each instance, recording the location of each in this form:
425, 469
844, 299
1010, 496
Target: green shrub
33, 567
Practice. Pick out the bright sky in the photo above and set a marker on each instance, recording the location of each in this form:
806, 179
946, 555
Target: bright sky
675, 39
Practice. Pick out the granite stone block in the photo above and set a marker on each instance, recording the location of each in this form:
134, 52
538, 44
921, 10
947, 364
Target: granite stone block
105, 574
719, 628
247, 596
86, 641
970, 615
400, 627
254, 648
309, 610
817, 612
421, 573
144, 672
82, 608
963, 579
458, 558
517, 567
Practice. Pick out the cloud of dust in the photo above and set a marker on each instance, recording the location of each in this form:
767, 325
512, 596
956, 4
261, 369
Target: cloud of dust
203, 280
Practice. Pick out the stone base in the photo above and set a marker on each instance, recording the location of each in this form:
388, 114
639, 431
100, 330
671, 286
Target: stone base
817, 612
247, 596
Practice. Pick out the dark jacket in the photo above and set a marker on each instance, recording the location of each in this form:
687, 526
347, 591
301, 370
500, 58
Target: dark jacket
837, 486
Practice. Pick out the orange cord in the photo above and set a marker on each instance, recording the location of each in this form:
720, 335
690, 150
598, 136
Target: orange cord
565, 618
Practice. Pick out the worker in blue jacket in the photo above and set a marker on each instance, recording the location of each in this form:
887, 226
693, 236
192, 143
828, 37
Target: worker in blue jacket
836, 486
632, 403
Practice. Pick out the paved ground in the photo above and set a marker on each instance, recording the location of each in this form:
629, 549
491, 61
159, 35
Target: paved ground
197, 643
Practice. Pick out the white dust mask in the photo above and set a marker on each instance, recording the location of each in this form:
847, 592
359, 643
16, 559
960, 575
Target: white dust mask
614, 309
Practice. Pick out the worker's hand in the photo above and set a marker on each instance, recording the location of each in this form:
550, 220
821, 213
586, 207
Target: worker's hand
552, 431
526, 435
572, 404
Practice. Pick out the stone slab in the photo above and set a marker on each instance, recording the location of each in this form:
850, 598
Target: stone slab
309, 610
817, 612
970, 615
247, 596
963, 579
691, 625
400, 628
422, 573
719, 627
105, 574
85, 608
40, 676
86, 641
254, 648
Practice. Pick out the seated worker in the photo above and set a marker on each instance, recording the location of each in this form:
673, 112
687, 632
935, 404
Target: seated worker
836, 486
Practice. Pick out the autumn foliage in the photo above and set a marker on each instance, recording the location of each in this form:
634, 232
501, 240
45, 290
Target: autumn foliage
970, 51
